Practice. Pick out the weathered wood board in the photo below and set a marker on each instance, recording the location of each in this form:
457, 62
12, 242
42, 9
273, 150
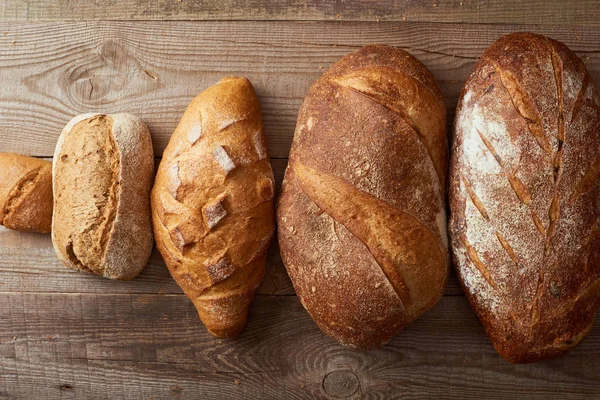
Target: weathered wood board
579, 12
69, 335
153, 69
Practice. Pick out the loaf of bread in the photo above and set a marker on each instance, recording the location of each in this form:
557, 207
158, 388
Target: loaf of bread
525, 196
212, 204
25, 193
361, 217
102, 175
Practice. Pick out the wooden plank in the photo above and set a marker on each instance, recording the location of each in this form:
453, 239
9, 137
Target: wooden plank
154, 346
153, 69
580, 12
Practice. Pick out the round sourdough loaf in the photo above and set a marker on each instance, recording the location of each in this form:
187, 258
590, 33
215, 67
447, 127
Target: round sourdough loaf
102, 175
361, 217
525, 198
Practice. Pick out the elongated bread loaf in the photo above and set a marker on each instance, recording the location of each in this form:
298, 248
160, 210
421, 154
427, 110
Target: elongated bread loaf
361, 217
102, 174
25, 193
525, 196
212, 204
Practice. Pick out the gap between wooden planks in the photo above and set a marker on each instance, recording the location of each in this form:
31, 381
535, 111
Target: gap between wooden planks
579, 12
53, 71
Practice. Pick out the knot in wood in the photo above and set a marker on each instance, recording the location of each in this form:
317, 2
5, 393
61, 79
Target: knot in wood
340, 384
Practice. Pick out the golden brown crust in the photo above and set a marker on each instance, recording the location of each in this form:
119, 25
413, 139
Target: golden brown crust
524, 213
212, 204
25, 193
362, 224
103, 168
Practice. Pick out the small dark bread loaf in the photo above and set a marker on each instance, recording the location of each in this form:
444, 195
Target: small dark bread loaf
362, 221
25, 193
102, 174
525, 196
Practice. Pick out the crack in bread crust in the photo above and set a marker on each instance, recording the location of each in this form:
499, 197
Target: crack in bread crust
525, 106
360, 213
89, 219
20, 190
383, 94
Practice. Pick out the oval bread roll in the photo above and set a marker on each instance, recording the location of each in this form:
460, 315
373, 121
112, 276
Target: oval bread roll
25, 193
102, 173
212, 204
525, 196
361, 217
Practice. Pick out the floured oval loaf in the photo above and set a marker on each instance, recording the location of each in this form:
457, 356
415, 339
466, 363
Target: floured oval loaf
25, 193
361, 217
102, 175
212, 204
525, 196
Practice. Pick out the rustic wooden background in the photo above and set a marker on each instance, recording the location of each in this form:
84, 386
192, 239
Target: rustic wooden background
66, 335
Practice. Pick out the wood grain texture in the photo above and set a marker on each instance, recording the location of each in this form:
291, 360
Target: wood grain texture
581, 12
65, 334
153, 346
153, 69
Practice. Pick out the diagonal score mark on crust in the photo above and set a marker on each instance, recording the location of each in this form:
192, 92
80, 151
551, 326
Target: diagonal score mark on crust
377, 88
479, 205
474, 198
515, 183
538, 223
474, 257
554, 210
507, 247
525, 106
20, 190
392, 245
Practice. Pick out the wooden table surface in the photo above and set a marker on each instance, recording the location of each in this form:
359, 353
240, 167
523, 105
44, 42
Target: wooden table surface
69, 335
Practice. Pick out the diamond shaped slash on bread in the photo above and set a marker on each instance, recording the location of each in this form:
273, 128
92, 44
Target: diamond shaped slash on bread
214, 211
